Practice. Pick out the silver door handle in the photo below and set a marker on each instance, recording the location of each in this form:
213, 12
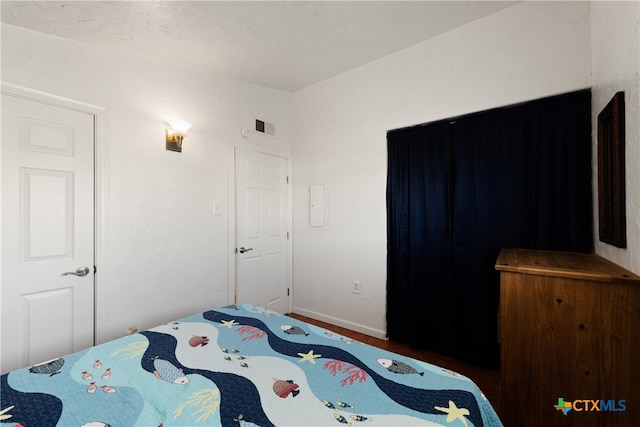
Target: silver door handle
243, 249
81, 271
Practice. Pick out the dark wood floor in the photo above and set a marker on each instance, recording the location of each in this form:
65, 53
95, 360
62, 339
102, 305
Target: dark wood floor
487, 380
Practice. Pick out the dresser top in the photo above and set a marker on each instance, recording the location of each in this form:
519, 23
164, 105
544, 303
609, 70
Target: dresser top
571, 265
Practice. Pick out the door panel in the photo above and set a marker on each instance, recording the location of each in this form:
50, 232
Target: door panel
47, 203
261, 228
48, 336
47, 137
272, 290
47, 230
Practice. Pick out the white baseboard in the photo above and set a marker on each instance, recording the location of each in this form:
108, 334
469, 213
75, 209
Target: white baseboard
342, 323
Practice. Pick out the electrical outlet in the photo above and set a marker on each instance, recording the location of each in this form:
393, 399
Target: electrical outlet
356, 286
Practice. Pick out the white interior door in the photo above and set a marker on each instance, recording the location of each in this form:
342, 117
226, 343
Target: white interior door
262, 253
47, 230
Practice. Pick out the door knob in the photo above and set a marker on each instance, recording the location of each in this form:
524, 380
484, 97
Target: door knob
243, 249
81, 271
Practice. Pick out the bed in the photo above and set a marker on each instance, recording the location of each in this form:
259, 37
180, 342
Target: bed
239, 365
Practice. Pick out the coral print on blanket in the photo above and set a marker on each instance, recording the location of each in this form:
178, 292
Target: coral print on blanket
239, 365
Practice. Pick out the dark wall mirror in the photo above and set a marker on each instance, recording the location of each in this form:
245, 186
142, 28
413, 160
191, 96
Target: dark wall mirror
611, 165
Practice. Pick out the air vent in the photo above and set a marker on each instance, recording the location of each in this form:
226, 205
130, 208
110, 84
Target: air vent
265, 128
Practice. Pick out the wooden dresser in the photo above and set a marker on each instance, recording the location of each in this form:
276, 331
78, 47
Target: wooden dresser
569, 328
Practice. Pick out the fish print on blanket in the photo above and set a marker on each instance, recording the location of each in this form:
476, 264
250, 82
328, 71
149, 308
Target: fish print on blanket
344, 405
285, 388
421, 400
108, 389
342, 419
293, 330
50, 367
398, 367
360, 418
211, 352
328, 404
198, 341
233, 388
106, 374
167, 371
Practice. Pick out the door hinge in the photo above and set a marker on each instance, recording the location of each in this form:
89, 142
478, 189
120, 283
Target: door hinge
287, 291
287, 235
94, 269
287, 179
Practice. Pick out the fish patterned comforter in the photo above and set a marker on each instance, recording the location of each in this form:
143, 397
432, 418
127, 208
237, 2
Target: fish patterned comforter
239, 365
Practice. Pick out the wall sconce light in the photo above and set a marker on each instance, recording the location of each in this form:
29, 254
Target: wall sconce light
176, 134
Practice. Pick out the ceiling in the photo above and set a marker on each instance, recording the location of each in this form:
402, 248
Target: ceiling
286, 45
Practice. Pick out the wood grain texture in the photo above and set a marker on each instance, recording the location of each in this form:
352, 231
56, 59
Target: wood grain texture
569, 326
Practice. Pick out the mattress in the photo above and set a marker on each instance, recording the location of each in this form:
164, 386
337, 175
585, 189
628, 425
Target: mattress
239, 365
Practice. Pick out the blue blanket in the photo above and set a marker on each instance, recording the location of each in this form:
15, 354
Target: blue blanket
239, 366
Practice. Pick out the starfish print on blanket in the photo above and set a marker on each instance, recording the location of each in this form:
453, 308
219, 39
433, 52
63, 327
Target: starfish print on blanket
229, 323
309, 357
454, 413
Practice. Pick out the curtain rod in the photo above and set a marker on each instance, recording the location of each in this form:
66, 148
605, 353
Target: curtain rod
533, 103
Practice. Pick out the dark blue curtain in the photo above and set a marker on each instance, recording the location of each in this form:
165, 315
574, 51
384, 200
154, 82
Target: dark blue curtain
460, 190
419, 235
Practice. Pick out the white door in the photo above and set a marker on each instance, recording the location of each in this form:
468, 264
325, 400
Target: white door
47, 230
262, 253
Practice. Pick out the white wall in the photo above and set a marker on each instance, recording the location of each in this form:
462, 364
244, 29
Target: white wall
167, 252
525, 52
616, 67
